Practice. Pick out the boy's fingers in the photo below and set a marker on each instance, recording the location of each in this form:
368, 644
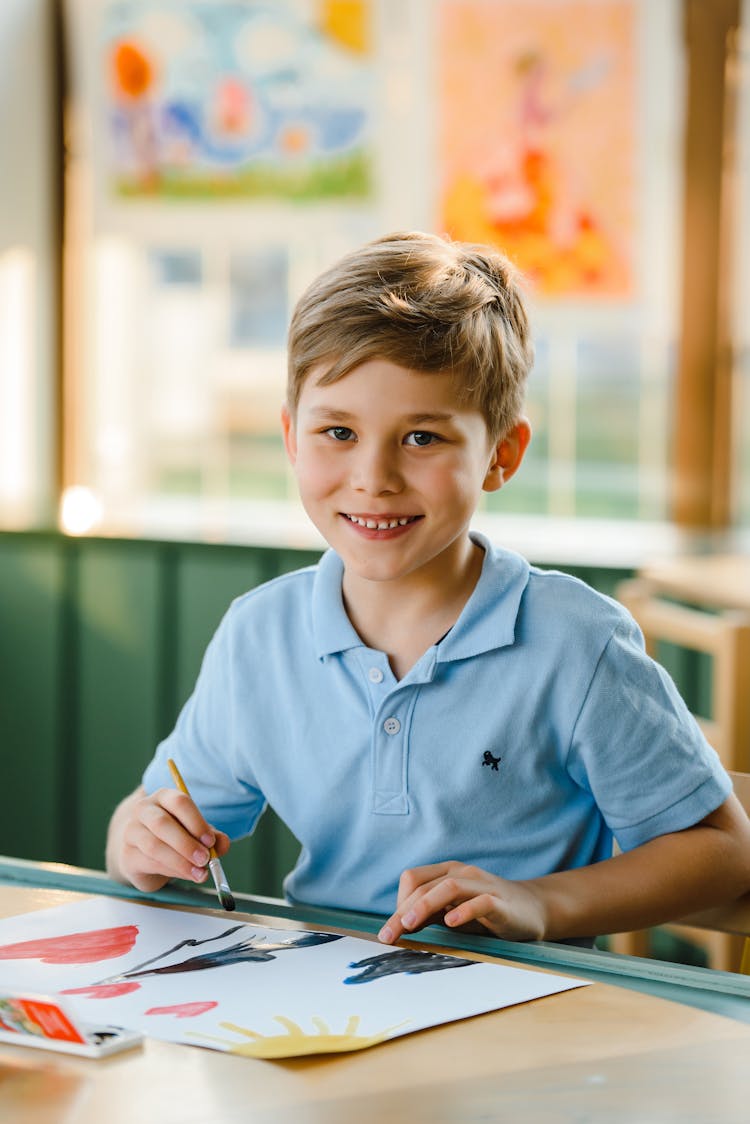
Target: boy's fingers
448, 896
166, 829
444, 894
164, 832
391, 930
153, 855
394, 928
413, 884
484, 908
416, 912
419, 877
222, 844
183, 809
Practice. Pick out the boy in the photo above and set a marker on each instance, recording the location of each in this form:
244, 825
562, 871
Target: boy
450, 733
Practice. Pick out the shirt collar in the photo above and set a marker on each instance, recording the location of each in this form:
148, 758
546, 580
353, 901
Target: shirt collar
487, 621
332, 629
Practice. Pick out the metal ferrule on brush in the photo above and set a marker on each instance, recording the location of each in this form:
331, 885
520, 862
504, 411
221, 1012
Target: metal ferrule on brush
220, 882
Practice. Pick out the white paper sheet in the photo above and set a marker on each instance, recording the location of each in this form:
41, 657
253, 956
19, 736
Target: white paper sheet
223, 983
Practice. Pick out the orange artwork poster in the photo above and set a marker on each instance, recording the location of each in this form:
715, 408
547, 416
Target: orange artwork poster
536, 137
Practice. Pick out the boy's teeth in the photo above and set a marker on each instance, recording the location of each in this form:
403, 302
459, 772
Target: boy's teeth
382, 525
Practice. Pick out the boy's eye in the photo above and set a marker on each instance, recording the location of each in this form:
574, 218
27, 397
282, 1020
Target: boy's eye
421, 437
340, 432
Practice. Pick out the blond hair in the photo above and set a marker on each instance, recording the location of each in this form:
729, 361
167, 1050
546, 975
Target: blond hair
424, 303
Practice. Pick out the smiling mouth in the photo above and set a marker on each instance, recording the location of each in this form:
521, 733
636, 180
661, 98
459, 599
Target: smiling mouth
383, 524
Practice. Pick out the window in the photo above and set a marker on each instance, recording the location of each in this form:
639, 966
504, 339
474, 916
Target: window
220, 156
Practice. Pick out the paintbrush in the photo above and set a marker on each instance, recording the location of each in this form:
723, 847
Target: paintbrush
214, 862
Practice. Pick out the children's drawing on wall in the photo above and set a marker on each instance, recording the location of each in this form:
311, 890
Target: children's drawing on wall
191, 978
537, 104
215, 98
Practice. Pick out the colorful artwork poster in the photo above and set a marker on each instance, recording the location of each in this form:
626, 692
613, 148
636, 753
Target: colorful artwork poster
226, 984
536, 136
213, 99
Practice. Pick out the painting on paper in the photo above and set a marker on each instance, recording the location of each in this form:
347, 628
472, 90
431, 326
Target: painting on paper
536, 137
217, 98
227, 984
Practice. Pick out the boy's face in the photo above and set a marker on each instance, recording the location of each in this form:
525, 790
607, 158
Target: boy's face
390, 466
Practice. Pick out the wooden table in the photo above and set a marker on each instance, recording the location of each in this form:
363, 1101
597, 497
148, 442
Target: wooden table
601, 1053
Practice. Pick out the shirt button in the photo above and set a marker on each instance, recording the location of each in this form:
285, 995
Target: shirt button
391, 726
375, 675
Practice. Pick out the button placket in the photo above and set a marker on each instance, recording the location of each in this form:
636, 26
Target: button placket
390, 734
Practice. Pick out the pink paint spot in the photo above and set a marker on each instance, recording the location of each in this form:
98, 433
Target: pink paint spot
104, 991
184, 1010
75, 948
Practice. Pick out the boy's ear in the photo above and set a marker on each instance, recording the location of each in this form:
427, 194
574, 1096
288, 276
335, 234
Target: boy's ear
507, 455
290, 437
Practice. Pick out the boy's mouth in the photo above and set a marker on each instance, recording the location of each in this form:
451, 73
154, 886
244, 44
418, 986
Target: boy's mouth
381, 522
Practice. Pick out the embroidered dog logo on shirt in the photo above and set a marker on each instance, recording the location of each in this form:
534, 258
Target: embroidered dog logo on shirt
488, 759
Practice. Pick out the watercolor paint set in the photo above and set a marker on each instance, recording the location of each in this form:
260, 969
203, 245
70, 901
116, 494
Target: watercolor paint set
44, 1021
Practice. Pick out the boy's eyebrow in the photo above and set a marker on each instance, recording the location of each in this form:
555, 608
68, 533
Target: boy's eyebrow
436, 416
330, 414
412, 419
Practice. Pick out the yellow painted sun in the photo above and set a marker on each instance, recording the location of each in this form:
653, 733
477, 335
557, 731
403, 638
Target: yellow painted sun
296, 1042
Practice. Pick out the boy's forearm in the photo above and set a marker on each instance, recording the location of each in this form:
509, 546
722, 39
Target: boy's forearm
664, 879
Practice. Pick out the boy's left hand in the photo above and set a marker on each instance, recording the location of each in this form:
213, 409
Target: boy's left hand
461, 895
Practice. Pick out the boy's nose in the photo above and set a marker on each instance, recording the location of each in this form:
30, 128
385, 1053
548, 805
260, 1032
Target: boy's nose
375, 472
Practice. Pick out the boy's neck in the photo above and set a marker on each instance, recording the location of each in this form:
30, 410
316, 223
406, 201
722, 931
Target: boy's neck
404, 618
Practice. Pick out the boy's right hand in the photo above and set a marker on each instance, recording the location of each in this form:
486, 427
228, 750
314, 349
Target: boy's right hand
154, 838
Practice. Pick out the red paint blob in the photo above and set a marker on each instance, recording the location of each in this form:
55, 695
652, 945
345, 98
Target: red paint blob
104, 991
75, 948
184, 1010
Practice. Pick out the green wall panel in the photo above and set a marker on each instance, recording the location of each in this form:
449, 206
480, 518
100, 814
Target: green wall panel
117, 681
206, 581
32, 711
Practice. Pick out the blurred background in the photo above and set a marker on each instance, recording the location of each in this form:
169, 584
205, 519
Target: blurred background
175, 172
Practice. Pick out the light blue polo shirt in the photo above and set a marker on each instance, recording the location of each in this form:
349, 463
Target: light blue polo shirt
522, 742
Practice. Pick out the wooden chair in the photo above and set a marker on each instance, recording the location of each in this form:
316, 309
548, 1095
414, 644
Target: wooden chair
732, 919
723, 634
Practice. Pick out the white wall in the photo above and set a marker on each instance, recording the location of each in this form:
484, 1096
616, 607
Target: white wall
28, 261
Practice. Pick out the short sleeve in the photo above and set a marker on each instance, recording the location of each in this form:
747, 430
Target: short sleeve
638, 749
204, 745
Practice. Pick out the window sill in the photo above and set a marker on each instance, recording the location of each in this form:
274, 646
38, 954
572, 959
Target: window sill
544, 540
